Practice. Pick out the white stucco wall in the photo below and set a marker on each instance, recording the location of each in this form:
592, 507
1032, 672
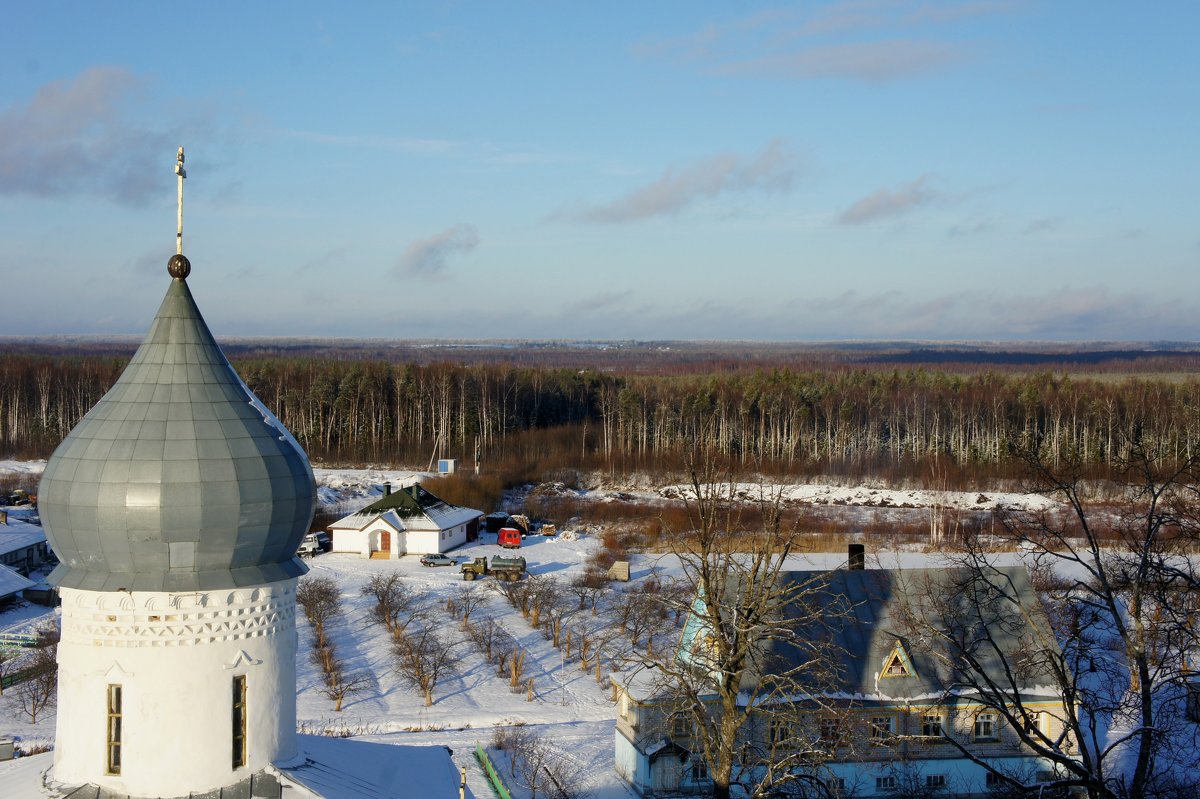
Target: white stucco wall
433, 540
367, 540
175, 656
419, 538
631, 764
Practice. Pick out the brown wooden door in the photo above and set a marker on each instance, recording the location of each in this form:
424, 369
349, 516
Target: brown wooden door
385, 545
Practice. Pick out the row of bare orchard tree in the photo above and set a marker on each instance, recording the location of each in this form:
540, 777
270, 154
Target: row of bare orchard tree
29, 676
360, 411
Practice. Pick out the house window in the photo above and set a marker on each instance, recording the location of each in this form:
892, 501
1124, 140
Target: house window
1035, 722
680, 726
1193, 701
882, 729
780, 731
830, 731
114, 730
239, 721
992, 778
935, 780
931, 725
987, 727
699, 770
887, 783
897, 663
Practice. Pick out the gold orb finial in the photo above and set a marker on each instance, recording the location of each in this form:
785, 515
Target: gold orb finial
179, 266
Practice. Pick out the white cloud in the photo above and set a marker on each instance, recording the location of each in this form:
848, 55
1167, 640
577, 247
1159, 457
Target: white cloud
1046, 224
427, 258
868, 61
772, 169
868, 40
77, 137
602, 301
357, 141
888, 203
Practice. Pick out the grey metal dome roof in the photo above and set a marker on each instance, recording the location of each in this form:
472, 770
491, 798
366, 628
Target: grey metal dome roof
179, 479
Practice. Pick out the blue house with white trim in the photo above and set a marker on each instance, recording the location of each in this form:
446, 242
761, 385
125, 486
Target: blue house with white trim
905, 714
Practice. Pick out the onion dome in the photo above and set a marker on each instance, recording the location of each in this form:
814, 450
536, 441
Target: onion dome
179, 479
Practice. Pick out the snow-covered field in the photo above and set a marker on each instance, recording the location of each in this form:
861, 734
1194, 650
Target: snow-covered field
568, 706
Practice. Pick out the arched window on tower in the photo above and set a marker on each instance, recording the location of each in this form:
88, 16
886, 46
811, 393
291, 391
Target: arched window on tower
113, 764
239, 721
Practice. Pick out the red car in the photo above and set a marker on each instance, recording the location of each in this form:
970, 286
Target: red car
509, 537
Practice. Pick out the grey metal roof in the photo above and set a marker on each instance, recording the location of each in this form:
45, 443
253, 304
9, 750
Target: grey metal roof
11, 582
179, 479
18, 535
862, 614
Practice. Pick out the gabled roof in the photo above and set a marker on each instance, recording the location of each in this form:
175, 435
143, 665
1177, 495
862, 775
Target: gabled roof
863, 619
11, 582
409, 503
19, 534
337, 768
898, 664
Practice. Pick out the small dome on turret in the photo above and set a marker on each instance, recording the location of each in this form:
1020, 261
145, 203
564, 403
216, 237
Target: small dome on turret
179, 479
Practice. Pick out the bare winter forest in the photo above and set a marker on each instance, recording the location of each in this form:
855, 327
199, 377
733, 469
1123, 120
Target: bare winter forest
528, 411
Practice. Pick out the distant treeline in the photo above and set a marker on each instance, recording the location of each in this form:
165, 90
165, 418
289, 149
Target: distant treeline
861, 421
679, 357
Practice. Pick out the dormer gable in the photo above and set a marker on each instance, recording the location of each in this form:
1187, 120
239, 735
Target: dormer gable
898, 663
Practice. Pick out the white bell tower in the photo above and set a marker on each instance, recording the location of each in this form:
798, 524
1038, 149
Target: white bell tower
176, 507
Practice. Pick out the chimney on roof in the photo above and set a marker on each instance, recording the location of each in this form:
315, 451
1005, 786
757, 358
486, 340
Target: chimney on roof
387, 489
858, 557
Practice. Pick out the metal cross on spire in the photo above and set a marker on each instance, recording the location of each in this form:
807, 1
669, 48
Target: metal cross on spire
182, 173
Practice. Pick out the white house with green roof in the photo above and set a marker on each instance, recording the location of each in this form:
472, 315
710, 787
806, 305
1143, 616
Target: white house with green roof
410, 520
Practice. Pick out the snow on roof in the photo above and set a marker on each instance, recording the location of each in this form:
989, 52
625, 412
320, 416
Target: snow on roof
22, 778
644, 682
410, 502
11, 582
340, 768
18, 535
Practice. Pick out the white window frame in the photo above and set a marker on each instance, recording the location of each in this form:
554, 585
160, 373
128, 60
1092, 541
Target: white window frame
990, 718
882, 734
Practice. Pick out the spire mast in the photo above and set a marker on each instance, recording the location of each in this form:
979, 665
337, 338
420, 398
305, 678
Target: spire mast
182, 173
178, 265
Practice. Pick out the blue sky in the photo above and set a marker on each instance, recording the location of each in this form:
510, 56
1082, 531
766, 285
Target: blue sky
856, 169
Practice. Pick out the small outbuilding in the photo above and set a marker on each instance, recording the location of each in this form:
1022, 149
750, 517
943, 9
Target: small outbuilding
12, 585
408, 521
22, 545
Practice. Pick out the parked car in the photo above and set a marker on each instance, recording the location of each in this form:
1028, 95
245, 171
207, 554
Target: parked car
324, 540
509, 537
434, 559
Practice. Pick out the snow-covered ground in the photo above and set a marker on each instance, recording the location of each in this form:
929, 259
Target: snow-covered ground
356, 487
568, 707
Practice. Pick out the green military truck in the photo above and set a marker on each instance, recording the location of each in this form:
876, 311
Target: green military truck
502, 568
